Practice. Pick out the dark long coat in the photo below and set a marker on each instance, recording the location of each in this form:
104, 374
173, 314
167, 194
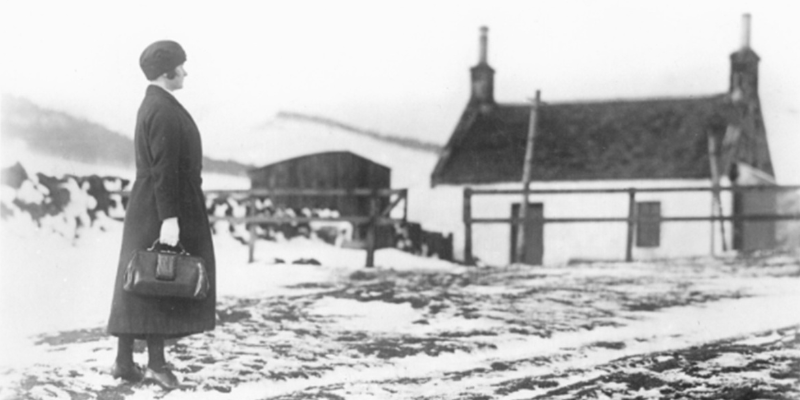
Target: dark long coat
169, 158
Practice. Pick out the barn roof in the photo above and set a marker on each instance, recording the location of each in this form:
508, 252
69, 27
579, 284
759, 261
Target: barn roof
326, 170
312, 157
662, 138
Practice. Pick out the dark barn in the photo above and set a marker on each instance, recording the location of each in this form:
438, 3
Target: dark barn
325, 171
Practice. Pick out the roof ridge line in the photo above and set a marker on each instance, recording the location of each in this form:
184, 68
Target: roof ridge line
617, 100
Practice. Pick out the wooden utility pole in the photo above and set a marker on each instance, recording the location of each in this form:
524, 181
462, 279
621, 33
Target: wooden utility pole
716, 201
526, 180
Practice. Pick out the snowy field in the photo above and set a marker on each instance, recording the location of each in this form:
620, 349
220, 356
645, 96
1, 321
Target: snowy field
411, 328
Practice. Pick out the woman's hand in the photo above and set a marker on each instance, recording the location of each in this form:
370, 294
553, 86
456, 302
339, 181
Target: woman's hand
170, 232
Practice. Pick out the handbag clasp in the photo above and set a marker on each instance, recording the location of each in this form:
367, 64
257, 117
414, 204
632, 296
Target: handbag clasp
165, 268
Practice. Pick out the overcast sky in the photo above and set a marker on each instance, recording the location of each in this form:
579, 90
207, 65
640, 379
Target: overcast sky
399, 67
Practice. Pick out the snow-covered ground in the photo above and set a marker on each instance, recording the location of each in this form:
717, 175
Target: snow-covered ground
49, 283
410, 328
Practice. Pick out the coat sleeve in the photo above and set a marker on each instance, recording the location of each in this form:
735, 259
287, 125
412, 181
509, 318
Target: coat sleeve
165, 149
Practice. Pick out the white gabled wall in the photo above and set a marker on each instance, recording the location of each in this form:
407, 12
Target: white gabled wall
570, 241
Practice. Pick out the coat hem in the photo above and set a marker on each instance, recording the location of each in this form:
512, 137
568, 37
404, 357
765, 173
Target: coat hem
171, 335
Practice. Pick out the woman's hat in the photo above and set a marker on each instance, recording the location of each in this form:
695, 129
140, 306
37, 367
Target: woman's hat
160, 57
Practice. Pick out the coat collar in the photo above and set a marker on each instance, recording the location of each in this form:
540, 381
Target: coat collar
161, 92
154, 90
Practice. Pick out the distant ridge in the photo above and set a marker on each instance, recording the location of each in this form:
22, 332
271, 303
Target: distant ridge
59, 134
398, 140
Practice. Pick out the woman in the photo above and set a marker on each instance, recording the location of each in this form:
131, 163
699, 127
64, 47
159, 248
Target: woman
166, 204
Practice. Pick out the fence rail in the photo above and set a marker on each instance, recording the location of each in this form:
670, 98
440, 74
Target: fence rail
260, 219
631, 219
749, 217
638, 190
309, 192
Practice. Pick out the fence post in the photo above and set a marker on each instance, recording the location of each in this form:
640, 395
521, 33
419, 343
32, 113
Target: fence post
468, 226
252, 229
371, 230
404, 193
631, 224
448, 252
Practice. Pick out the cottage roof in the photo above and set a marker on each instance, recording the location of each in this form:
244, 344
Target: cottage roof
665, 138
603, 140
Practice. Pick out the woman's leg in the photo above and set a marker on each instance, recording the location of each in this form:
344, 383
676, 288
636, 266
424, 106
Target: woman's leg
125, 351
124, 367
155, 352
157, 370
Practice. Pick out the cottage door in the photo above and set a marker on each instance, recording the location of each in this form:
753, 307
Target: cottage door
754, 235
534, 234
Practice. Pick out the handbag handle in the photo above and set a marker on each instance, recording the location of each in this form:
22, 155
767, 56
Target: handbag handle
178, 246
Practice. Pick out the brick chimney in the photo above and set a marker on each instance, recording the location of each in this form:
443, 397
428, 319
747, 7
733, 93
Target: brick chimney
482, 74
744, 68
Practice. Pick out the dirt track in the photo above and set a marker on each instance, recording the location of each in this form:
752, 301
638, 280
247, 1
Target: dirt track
518, 332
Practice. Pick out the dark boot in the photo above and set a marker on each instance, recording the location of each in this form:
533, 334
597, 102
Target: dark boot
131, 373
165, 378
157, 370
124, 367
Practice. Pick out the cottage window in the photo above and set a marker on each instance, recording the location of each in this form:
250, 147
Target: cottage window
648, 228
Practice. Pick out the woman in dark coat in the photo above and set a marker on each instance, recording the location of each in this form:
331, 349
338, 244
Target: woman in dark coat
166, 204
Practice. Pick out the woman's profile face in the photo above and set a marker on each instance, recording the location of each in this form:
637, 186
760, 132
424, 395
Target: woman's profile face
177, 82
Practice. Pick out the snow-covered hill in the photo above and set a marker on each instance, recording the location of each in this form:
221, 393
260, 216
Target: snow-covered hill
64, 136
283, 138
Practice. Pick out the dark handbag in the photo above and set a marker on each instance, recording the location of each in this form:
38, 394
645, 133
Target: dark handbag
159, 273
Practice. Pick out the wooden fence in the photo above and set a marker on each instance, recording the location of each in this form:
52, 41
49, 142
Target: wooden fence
631, 219
377, 217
